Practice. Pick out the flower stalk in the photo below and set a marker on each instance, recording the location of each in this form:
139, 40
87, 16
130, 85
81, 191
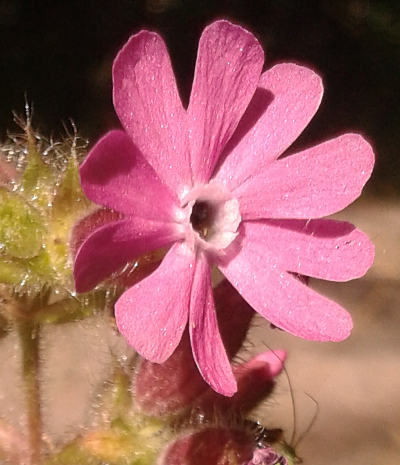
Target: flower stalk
29, 336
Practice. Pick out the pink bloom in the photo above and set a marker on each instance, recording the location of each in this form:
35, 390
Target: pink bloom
208, 182
267, 456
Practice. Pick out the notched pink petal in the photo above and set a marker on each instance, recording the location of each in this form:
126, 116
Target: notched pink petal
148, 105
208, 348
175, 384
270, 364
255, 378
115, 175
324, 249
113, 245
88, 224
283, 299
228, 67
310, 184
152, 314
286, 99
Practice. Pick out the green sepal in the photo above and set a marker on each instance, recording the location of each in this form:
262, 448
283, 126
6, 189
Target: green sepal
21, 228
287, 451
69, 193
31, 274
12, 272
71, 309
37, 180
117, 400
73, 454
69, 204
136, 445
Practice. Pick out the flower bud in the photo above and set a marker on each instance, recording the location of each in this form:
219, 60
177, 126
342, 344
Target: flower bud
212, 446
255, 380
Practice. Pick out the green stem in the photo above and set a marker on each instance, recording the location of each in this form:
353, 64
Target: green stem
29, 337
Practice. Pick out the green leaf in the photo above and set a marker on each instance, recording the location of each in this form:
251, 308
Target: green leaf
21, 229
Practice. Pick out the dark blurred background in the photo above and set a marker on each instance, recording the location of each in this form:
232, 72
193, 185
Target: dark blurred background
60, 53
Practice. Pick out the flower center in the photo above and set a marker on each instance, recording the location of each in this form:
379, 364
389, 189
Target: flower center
212, 217
201, 218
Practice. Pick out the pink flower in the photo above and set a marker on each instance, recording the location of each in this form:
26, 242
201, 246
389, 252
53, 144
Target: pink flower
207, 182
267, 456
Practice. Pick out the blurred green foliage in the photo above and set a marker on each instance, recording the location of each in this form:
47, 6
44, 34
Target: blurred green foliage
37, 212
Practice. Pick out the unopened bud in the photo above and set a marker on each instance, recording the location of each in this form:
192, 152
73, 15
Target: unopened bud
212, 446
255, 381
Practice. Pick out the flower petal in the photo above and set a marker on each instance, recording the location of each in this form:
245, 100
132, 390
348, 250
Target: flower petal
325, 249
208, 348
287, 97
148, 105
152, 314
228, 67
116, 175
281, 298
88, 224
113, 245
310, 184
175, 384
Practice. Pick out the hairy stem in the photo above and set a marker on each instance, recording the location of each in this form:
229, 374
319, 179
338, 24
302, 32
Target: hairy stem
29, 337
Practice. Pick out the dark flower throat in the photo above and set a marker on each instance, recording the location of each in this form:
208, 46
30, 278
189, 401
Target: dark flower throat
201, 218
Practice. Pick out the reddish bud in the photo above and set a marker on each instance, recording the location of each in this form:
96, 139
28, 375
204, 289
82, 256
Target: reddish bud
212, 446
255, 380
170, 386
